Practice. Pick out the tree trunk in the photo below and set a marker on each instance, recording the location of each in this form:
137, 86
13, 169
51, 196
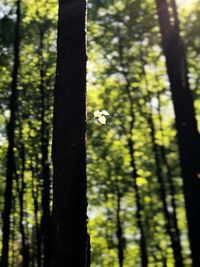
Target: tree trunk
11, 139
69, 245
20, 190
35, 195
171, 219
172, 190
119, 233
13, 235
176, 246
46, 216
188, 136
130, 143
143, 245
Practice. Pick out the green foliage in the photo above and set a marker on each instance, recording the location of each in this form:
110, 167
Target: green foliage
126, 81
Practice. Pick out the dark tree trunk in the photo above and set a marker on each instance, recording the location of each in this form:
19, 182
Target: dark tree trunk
88, 251
12, 234
188, 136
120, 237
11, 139
69, 148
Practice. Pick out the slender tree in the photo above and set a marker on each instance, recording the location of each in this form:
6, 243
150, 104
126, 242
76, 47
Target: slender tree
131, 149
35, 195
69, 151
188, 136
119, 233
119, 225
172, 190
10, 167
171, 218
21, 186
46, 214
169, 227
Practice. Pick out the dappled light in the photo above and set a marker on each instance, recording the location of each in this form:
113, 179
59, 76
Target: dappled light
99, 133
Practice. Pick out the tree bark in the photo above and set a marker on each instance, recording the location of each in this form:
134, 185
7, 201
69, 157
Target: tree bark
187, 132
10, 168
69, 246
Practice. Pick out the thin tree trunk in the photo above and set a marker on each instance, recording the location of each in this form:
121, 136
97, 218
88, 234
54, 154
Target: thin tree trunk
143, 245
119, 227
69, 148
13, 256
170, 180
172, 191
20, 190
175, 244
119, 232
130, 143
35, 195
171, 219
11, 139
46, 216
187, 132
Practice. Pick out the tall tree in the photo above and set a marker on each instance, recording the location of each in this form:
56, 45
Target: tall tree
171, 218
10, 167
188, 136
69, 151
131, 148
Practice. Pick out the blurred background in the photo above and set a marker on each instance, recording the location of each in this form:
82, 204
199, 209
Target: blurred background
136, 194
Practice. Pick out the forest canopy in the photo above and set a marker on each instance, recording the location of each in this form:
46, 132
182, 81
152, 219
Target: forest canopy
129, 195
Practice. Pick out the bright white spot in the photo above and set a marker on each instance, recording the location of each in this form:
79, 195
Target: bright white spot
101, 115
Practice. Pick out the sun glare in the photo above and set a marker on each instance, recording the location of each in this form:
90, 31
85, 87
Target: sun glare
186, 3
